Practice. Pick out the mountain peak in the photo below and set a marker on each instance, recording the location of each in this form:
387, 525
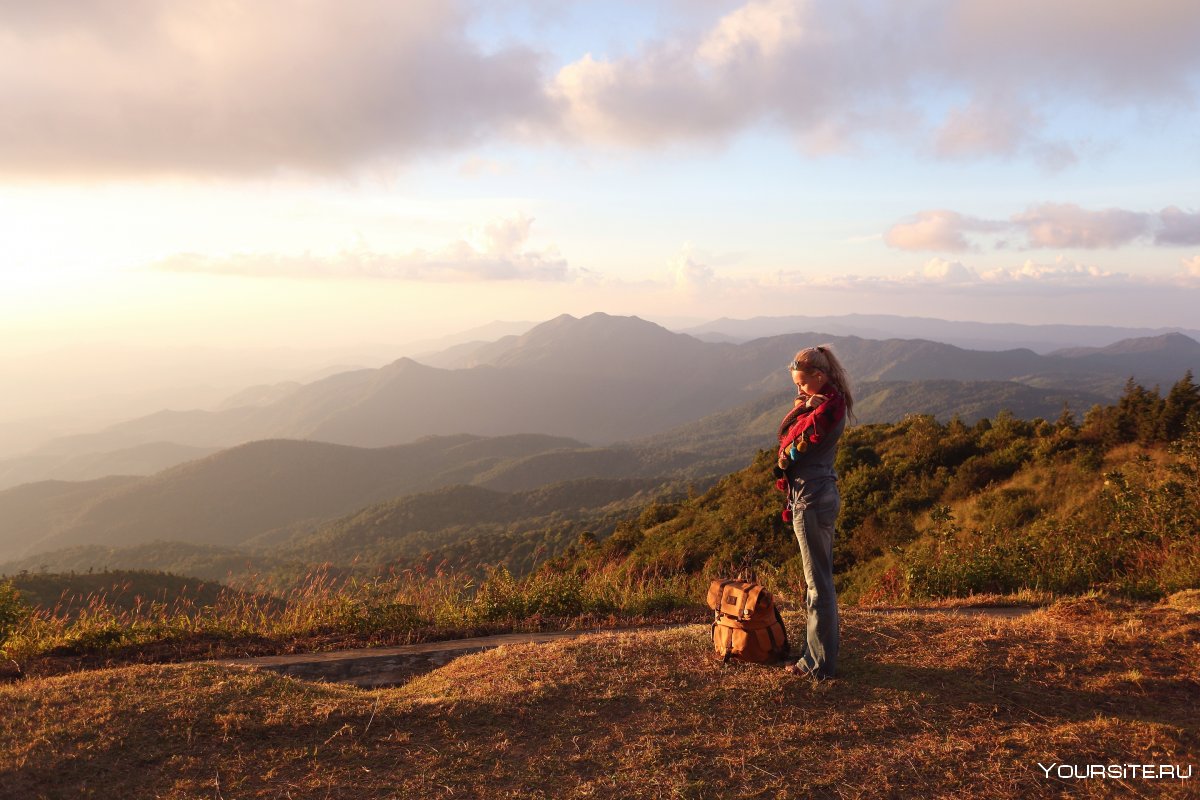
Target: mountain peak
404, 364
597, 342
597, 320
1173, 342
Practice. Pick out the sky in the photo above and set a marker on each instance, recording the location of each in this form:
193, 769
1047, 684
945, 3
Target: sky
324, 174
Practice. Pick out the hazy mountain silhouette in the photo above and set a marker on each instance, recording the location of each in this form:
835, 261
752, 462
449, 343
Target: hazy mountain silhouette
143, 459
470, 524
242, 492
1157, 356
971, 335
262, 395
603, 379
29, 512
179, 558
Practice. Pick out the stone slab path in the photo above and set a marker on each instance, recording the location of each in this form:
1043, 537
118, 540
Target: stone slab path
378, 667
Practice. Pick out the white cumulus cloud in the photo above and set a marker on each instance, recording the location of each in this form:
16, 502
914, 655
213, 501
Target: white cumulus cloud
1060, 272
689, 274
503, 254
830, 71
939, 270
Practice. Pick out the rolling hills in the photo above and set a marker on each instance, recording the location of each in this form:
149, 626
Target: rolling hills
242, 492
276, 505
601, 380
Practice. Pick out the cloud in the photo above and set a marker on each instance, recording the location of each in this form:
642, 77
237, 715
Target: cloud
936, 230
1062, 272
1036, 278
939, 270
985, 129
503, 254
118, 87
1000, 127
1049, 225
476, 167
1068, 225
1191, 267
834, 70
689, 275
211, 86
1178, 227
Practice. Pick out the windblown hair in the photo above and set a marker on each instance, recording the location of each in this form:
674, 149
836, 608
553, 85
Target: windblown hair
821, 357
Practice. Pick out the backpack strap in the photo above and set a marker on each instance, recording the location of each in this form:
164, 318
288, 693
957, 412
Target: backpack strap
750, 602
775, 645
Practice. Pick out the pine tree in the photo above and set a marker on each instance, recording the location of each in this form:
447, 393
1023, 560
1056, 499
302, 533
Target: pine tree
1066, 420
1183, 399
1138, 412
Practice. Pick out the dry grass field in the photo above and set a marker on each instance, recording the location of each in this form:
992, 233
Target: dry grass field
940, 705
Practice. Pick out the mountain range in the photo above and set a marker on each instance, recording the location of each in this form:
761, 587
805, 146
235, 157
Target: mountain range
275, 490
970, 335
600, 398
601, 380
236, 494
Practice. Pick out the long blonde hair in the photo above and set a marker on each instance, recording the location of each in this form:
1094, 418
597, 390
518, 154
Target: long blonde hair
821, 357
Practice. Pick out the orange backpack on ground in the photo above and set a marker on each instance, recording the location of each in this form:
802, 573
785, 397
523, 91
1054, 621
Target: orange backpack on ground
746, 625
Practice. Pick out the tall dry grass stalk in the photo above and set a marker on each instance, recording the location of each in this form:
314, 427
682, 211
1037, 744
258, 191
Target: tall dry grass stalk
437, 600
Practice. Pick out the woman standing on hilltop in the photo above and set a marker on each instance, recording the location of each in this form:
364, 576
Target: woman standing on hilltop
808, 438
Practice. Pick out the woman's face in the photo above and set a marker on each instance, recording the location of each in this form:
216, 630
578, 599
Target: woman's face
809, 380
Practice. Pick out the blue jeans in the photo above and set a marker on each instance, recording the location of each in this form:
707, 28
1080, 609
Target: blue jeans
815, 510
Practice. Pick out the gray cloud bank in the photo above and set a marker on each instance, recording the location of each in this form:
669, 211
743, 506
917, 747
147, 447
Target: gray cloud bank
1057, 225
209, 86
218, 86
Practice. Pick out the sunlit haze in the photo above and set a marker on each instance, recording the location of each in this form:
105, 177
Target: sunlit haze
293, 186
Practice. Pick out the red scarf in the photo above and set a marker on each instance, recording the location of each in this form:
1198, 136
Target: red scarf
812, 424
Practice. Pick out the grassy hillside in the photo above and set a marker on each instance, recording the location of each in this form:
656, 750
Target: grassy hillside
970, 401
935, 509
725, 438
926, 706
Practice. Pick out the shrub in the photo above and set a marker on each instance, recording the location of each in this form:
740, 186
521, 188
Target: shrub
554, 594
499, 597
12, 610
988, 563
